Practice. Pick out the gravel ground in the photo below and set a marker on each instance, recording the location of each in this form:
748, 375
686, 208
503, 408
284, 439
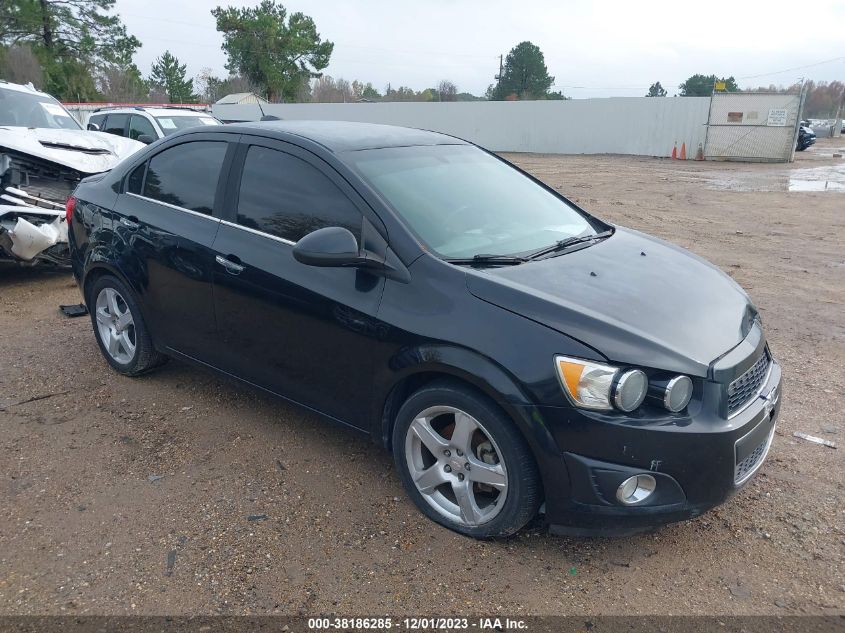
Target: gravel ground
182, 493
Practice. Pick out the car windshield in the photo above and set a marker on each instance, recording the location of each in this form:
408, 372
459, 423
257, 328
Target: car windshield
462, 202
171, 124
24, 109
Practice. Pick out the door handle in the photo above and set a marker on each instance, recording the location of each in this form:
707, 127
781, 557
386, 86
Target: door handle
130, 223
233, 268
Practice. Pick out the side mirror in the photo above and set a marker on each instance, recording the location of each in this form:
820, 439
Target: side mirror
146, 139
330, 246
93, 127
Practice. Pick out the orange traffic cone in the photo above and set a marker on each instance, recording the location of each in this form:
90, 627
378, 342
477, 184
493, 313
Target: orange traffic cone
683, 151
675, 151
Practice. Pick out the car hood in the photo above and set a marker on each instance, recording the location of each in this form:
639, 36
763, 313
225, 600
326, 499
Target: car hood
635, 299
84, 151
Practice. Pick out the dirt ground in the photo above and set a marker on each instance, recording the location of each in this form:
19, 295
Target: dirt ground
182, 493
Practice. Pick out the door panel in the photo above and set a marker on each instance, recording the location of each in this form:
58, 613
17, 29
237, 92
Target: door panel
301, 331
169, 256
164, 233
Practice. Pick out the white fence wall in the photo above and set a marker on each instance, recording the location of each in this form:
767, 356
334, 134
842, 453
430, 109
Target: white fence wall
619, 125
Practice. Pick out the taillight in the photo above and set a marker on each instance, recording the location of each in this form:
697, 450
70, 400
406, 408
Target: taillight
70, 205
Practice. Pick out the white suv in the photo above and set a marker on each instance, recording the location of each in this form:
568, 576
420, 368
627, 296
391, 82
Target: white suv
147, 124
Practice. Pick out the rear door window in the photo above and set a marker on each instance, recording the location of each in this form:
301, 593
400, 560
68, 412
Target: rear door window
136, 179
139, 126
186, 175
285, 196
115, 124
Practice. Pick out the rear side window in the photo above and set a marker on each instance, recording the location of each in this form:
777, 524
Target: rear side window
97, 119
186, 175
136, 179
115, 124
138, 126
284, 196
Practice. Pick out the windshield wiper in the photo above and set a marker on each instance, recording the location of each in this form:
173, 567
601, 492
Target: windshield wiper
482, 259
569, 241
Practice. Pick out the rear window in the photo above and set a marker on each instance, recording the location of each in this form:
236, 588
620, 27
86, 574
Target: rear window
136, 179
186, 175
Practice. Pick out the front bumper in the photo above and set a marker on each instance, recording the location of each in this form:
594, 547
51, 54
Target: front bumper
698, 462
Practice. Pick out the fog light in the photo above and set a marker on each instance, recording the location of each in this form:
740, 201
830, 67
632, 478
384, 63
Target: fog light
635, 489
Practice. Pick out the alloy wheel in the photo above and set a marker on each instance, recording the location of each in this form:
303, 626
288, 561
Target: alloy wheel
456, 465
115, 325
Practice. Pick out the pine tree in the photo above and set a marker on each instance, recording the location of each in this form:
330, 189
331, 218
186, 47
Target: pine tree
169, 75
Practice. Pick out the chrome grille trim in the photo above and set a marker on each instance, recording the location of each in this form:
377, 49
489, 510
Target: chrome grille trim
743, 390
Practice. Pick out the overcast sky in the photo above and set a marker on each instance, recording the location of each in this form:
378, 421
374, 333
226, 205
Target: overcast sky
593, 49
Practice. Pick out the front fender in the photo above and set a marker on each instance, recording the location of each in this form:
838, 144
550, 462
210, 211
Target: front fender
488, 377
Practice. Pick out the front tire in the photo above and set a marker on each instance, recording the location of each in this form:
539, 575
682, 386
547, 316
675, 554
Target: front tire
464, 463
119, 328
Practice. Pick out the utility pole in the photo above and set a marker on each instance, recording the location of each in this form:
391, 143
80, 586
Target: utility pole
499, 76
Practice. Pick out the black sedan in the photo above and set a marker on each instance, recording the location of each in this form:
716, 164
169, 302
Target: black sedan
511, 349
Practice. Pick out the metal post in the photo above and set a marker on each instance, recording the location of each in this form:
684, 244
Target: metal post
798, 120
709, 114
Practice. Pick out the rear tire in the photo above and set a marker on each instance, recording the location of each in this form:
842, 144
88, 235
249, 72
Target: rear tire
119, 328
464, 463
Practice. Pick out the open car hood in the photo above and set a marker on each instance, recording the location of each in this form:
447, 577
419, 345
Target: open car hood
86, 152
635, 299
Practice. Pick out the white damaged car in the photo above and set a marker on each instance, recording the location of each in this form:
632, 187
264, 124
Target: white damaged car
44, 153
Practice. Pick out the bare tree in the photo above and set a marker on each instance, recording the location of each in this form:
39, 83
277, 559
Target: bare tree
20, 65
326, 90
158, 95
211, 88
202, 82
447, 90
345, 90
120, 84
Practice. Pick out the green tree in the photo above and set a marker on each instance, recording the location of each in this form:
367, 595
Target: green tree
370, 93
275, 51
656, 90
170, 76
524, 75
69, 37
703, 85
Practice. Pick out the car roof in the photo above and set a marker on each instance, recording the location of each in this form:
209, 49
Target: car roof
174, 112
341, 136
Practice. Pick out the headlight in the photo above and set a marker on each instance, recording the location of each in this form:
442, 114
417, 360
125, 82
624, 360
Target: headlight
674, 394
587, 384
594, 385
629, 391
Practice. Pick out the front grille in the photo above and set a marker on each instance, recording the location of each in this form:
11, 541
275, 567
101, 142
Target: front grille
747, 386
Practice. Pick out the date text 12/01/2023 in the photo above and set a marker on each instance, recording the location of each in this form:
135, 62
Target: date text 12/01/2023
417, 624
